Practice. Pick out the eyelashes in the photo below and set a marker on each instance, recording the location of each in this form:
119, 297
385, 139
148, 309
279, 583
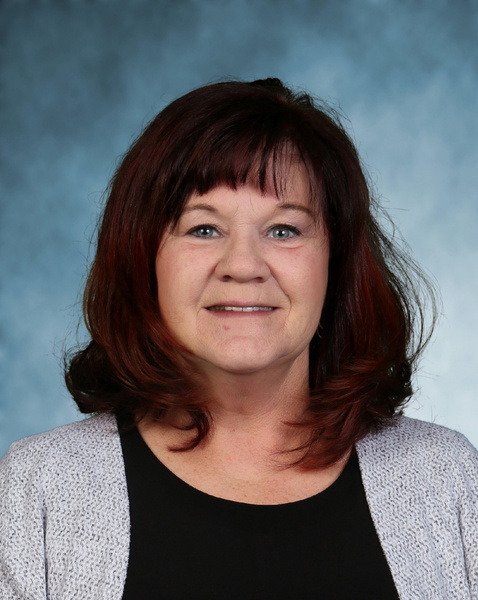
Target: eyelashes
281, 227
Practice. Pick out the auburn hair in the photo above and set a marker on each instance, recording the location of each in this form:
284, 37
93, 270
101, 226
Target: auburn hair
372, 328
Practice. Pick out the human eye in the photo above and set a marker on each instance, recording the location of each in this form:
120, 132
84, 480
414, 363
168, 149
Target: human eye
284, 232
200, 229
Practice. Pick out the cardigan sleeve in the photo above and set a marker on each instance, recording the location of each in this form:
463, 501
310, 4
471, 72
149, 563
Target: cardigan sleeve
22, 554
467, 501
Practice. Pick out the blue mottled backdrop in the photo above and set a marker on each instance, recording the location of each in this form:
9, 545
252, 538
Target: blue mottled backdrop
79, 80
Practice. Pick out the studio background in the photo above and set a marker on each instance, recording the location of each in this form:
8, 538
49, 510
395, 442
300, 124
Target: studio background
79, 80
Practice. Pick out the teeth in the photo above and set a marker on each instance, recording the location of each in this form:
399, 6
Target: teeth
242, 308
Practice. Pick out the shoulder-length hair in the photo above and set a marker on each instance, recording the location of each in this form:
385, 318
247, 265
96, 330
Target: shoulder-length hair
372, 327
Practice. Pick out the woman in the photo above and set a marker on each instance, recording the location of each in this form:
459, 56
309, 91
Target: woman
253, 335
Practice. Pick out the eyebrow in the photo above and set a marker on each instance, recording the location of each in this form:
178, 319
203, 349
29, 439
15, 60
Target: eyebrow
282, 206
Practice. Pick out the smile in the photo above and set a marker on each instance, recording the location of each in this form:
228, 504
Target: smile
242, 308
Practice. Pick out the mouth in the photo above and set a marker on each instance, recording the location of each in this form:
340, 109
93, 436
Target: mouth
246, 309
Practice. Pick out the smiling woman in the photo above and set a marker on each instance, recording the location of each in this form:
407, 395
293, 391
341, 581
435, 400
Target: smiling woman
254, 333
245, 151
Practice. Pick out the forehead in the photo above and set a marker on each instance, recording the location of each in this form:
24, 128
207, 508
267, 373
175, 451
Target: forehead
287, 189
197, 205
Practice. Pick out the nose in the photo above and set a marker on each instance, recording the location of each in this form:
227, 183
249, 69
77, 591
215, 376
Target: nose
242, 260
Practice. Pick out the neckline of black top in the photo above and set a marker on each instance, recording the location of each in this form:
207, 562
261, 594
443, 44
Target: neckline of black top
150, 468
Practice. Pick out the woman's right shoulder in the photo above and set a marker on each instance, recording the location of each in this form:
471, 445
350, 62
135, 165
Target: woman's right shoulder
63, 502
77, 444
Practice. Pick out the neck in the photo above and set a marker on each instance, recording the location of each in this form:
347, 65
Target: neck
248, 410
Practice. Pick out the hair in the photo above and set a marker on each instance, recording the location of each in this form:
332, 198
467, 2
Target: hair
372, 328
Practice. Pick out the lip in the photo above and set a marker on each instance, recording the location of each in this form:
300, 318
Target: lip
239, 314
241, 304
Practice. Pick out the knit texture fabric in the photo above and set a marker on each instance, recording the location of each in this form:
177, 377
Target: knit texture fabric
64, 512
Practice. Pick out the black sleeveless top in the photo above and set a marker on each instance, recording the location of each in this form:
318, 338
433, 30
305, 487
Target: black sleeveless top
186, 544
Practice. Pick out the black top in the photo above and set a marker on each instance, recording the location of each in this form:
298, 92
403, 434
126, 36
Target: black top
188, 544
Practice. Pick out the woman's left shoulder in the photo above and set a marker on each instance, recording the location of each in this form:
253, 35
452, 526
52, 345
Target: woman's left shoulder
413, 446
421, 483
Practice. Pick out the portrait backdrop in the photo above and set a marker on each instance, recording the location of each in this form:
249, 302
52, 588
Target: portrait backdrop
80, 79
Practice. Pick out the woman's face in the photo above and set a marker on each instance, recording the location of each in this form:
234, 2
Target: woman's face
239, 247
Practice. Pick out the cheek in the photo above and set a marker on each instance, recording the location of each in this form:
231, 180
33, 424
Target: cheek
178, 282
167, 290
311, 286
309, 276
320, 276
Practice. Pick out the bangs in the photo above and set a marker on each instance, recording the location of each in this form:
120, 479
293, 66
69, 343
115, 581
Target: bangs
252, 152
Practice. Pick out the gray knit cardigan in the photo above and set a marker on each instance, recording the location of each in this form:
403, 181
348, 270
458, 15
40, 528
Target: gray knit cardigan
64, 512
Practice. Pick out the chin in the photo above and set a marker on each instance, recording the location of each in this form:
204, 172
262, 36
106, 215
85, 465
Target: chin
242, 369
242, 365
